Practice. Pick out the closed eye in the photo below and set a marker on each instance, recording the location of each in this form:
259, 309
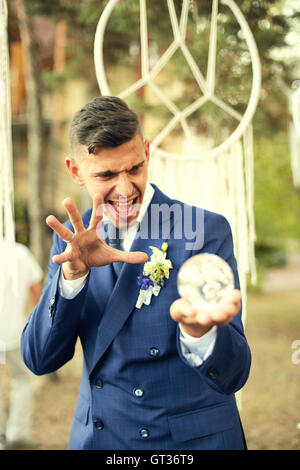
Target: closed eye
133, 171
135, 168
105, 175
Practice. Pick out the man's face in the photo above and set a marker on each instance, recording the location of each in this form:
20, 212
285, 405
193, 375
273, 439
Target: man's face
119, 174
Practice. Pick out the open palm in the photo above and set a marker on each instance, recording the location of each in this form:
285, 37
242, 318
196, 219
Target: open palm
87, 248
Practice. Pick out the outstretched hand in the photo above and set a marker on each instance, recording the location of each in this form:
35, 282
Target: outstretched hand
86, 248
198, 322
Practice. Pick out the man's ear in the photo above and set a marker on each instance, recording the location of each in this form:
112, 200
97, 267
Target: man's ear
74, 170
147, 149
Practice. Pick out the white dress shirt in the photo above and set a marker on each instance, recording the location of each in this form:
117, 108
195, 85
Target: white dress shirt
195, 350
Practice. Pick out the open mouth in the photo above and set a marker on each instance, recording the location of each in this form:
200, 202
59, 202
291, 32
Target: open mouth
123, 208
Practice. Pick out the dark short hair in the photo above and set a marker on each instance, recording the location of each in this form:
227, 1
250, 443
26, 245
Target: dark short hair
104, 122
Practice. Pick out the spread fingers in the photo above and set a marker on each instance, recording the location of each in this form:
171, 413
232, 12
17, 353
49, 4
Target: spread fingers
97, 212
63, 232
74, 214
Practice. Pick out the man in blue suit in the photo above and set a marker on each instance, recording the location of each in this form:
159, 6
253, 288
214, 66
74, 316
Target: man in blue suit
155, 376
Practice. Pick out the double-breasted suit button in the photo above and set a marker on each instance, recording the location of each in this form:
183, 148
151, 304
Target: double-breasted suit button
138, 392
98, 424
98, 383
154, 352
144, 433
51, 307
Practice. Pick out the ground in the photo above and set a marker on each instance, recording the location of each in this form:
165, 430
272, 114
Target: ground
270, 399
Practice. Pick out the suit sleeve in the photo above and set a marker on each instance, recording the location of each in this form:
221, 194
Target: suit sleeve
227, 367
49, 337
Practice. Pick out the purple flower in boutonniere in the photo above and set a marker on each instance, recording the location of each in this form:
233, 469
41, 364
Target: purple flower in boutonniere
154, 272
144, 282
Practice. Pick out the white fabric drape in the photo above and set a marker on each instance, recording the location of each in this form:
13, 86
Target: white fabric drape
6, 181
294, 136
7, 230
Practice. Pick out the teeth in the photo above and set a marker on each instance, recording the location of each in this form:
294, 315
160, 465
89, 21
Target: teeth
125, 203
122, 204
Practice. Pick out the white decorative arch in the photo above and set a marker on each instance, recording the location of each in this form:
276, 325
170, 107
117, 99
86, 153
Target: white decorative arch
228, 185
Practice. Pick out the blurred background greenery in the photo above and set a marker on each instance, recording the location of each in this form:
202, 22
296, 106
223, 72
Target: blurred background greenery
61, 49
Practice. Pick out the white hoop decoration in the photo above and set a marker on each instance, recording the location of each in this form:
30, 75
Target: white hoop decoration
227, 186
206, 86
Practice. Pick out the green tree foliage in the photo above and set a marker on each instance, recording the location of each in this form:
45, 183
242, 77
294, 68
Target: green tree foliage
268, 25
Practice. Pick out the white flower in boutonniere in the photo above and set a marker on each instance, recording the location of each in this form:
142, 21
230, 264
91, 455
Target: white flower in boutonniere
154, 272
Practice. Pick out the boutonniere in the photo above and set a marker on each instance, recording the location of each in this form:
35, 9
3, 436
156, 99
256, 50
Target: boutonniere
154, 272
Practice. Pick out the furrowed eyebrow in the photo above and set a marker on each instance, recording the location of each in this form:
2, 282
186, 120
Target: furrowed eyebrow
105, 174
136, 167
109, 173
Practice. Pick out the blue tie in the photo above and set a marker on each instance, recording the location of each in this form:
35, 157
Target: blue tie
114, 241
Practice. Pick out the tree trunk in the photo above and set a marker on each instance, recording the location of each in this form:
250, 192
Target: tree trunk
57, 111
34, 133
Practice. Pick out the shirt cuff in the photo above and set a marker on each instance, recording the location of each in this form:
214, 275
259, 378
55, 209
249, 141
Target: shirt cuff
197, 350
70, 288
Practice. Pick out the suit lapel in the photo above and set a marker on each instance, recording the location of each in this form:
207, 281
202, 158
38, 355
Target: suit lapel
122, 300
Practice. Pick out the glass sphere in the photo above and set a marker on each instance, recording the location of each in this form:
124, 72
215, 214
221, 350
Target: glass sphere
205, 281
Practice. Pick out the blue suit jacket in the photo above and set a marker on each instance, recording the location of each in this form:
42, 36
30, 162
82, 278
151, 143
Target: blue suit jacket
137, 391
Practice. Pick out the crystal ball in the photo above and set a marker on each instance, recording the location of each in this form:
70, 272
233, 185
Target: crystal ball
205, 280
